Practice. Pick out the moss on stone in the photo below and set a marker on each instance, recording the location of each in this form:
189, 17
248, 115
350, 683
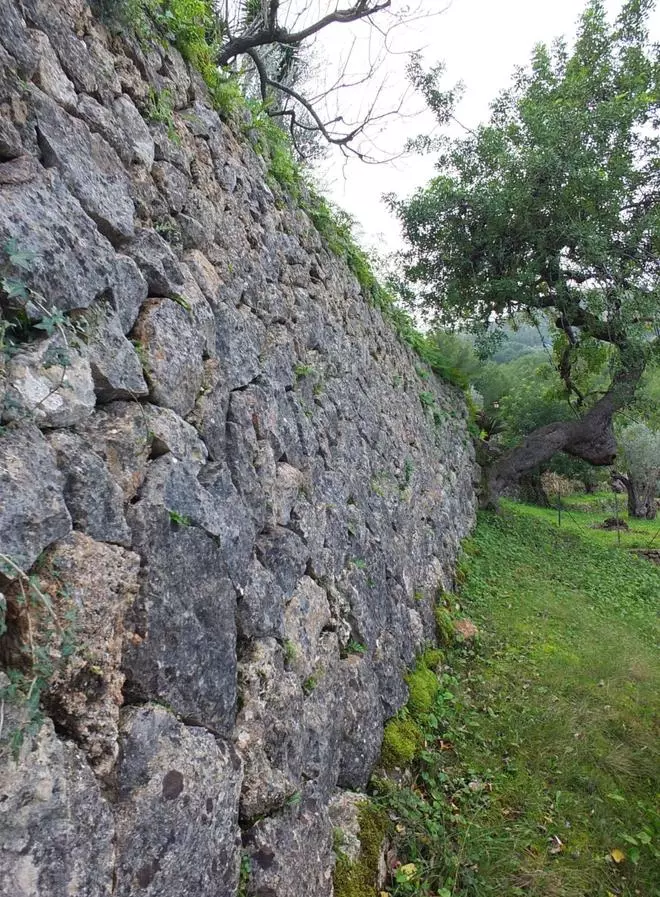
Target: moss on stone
444, 626
433, 657
360, 878
423, 688
402, 740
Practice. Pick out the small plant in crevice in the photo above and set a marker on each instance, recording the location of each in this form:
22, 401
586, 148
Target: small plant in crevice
159, 108
182, 301
179, 519
245, 874
37, 638
310, 683
290, 651
303, 370
427, 399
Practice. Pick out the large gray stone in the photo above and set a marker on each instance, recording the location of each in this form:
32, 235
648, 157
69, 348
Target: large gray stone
291, 853
49, 75
72, 263
268, 733
183, 644
172, 434
177, 820
32, 509
116, 368
157, 263
90, 167
137, 144
94, 500
119, 434
173, 350
56, 829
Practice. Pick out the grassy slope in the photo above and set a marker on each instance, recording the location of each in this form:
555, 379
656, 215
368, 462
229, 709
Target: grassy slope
548, 756
586, 512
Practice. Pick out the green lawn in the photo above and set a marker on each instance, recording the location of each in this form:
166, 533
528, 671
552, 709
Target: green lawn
584, 513
540, 770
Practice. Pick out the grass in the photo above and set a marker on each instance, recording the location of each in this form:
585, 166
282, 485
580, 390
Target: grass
539, 773
582, 513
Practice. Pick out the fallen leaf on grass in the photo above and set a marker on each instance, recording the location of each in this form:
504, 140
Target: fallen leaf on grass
617, 855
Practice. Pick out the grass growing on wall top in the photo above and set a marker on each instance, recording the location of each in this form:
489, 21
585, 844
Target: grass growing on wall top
195, 30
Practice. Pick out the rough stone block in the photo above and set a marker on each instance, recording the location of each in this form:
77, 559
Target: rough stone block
177, 820
32, 509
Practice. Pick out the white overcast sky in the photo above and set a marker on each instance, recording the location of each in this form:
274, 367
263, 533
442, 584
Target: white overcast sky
480, 42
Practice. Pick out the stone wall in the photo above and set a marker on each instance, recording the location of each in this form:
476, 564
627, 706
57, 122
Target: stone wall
220, 465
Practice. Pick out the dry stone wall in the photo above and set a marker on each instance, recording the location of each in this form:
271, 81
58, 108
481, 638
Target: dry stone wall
232, 483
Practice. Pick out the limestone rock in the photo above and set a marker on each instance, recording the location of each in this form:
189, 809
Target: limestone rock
172, 434
173, 351
85, 694
157, 263
136, 144
50, 383
268, 732
49, 75
115, 366
177, 823
89, 166
182, 647
93, 498
32, 509
291, 853
72, 263
119, 434
56, 830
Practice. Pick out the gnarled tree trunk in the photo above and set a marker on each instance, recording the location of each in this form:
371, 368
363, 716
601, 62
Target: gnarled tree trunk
641, 496
590, 437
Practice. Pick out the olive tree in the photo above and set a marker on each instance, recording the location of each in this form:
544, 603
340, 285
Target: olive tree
640, 454
550, 212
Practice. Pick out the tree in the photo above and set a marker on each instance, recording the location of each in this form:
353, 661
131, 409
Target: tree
551, 212
641, 456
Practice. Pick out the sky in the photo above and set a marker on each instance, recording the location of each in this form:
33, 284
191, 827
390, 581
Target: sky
480, 43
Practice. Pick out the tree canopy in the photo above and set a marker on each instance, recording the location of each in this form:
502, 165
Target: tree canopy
550, 212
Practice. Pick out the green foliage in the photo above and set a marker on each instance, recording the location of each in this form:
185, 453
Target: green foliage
38, 641
546, 210
309, 684
244, 876
179, 519
160, 108
444, 626
290, 651
194, 27
640, 449
303, 370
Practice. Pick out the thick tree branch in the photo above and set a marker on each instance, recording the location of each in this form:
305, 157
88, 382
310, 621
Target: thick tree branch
590, 437
272, 34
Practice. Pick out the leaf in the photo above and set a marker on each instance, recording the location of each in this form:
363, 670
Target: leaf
407, 871
15, 289
617, 855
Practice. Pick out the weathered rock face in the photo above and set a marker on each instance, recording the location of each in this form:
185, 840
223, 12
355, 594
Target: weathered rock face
235, 502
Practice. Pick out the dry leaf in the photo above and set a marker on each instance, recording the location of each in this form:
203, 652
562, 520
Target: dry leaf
617, 855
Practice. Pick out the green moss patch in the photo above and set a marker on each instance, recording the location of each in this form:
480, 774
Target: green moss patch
359, 878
